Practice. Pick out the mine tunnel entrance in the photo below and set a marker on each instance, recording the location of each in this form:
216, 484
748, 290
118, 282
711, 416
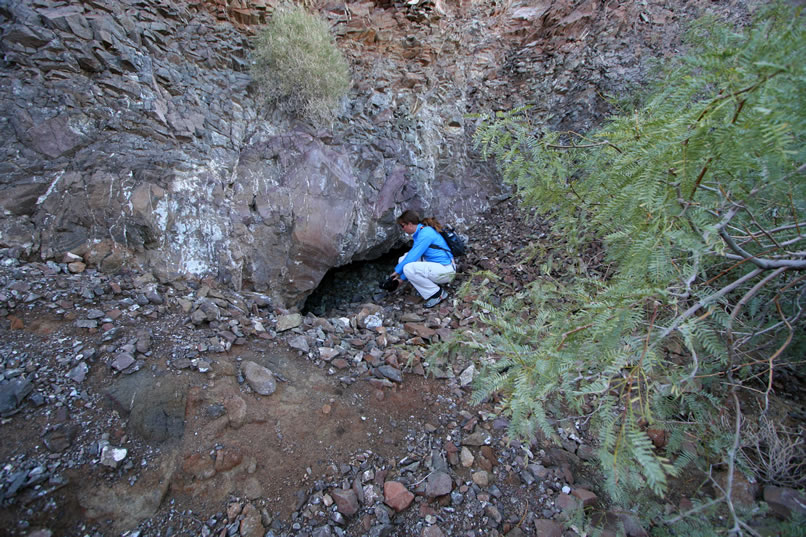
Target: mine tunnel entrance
344, 287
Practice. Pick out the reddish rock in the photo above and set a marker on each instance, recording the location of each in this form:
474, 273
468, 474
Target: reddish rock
227, 458
396, 496
547, 528
199, 465
236, 411
587, 497
489, 453
346, 501
233, 510
658, 437
419, 330
16, 322
251, 526
566, 502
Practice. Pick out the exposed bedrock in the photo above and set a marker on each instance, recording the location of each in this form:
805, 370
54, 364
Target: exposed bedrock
131, 131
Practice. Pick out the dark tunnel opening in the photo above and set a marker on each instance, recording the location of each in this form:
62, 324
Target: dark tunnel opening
347, 286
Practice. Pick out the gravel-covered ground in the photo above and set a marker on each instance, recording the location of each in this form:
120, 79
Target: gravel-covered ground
137, 406
133, 406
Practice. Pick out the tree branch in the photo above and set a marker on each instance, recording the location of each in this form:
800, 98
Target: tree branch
797, 264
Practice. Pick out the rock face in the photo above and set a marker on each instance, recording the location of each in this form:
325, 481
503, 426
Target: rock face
133, 132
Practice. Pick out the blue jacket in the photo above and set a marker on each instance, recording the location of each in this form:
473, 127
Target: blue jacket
424, 237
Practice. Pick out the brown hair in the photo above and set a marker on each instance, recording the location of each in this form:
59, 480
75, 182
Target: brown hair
432, 222
408, 217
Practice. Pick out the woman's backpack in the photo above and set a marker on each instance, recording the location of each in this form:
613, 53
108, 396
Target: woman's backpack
455, 242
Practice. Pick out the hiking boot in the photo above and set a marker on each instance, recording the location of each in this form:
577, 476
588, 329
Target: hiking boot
438, 297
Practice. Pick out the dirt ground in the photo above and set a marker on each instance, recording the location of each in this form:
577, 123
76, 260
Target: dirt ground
305, 429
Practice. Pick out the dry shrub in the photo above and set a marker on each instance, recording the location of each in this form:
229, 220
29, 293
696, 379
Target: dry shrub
776, 453
298, 66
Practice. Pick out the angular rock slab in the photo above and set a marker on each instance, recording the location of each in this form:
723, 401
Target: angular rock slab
396, 495
259, 378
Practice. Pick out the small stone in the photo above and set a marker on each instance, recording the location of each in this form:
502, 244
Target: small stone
233, 510
12, 394
78, 373
251, 526
328, 353
479, 438
300, 343
466, 377
227, 458
744, 492
397, 496
433, 531
111, 456
438, 484
538, 470
199, 466
565, 502
371, 494
346, 501
481, 478
587, 497
259, 378
59, 438
493, 512
466, 457
323, 531
586, 452
548, 528
391, 373
154, 297
287, 322
122, 361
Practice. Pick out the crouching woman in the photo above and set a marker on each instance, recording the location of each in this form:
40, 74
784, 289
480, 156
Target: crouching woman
429, 264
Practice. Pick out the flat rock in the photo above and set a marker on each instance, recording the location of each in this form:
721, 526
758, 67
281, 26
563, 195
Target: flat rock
122, 361
785, 501
587, 497
548, 528
478, 438
287, 322
391, 373
438, 484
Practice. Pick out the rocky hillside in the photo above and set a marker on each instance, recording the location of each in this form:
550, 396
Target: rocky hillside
132, 131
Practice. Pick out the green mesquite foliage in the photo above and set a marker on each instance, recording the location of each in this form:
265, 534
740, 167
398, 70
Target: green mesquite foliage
699, 197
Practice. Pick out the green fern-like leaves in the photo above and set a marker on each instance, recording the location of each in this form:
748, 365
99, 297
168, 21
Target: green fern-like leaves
699, 197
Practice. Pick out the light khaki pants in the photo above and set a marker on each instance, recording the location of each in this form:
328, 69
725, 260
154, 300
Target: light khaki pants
426, 277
